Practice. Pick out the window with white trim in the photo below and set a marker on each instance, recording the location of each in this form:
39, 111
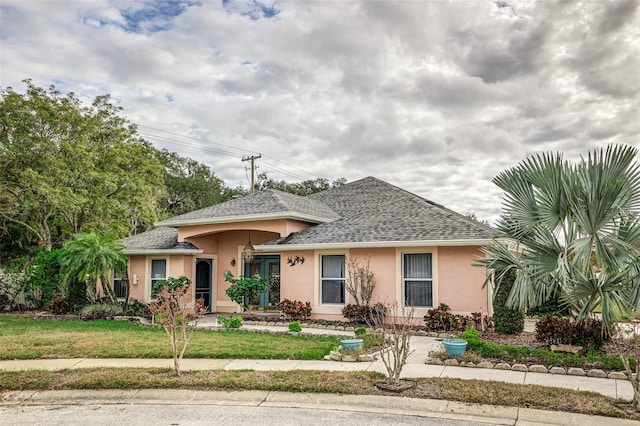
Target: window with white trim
418, 279
332, 279
120, 283
158, 271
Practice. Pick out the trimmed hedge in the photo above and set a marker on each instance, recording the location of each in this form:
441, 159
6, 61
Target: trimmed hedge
506, 320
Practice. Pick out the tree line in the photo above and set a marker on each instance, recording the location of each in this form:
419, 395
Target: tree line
69, 168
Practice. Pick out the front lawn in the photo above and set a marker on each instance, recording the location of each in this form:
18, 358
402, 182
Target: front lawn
23, 337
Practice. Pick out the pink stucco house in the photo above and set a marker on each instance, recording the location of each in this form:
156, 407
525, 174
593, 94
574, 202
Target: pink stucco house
419, 250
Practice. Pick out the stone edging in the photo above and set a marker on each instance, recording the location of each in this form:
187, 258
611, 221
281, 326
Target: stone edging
571, 371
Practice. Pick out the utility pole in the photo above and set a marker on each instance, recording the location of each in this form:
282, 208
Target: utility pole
253, 159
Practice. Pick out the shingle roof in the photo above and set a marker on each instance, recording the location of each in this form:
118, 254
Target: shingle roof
269, 202
365, 211
159, 238
372, 210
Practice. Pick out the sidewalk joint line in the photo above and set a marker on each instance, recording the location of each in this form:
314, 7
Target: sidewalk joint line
264, 399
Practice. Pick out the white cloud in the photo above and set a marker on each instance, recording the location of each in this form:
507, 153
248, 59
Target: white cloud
435, 97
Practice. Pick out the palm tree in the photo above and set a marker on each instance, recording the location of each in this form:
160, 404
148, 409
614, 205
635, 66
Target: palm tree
573, 230
91, 256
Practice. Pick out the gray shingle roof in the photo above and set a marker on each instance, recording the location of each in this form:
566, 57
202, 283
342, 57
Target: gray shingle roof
375, 211
159, 238
268, 202
365, 211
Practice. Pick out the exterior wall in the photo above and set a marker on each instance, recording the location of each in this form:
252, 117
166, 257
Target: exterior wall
460, 283
455, 281
296, 282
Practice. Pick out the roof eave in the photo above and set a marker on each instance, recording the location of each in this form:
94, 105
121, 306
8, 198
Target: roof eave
373, 244
243, 218
161, 251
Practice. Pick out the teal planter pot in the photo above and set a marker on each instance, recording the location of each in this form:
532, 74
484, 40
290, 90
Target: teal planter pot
455, 347
351, 345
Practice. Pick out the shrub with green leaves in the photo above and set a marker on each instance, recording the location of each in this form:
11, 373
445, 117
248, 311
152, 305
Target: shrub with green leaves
295, 327
100, 311
506, 320
360, 331
243, 289
441, 319
230, 321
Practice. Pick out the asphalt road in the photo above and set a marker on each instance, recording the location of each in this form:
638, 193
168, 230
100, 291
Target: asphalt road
191, 415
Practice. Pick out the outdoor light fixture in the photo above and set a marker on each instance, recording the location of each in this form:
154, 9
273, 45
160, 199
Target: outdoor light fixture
233, 261
248, 252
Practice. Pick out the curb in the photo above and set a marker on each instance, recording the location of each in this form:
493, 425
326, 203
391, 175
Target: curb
427, 408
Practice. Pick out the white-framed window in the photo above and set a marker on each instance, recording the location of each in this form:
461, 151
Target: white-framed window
417, 279
120, 284
332, 275
158, 271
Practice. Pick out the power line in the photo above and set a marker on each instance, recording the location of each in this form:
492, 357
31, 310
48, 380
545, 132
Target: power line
225, 152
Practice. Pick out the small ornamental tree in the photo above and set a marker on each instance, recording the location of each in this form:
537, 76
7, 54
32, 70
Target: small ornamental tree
171, 311
243, 289
506, 320
360, 281
395, 323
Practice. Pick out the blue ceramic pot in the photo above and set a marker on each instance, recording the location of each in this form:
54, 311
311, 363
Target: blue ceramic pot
351, 345
455, 347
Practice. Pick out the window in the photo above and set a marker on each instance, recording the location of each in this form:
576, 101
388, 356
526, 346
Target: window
158, 271
120, 283
418, 280
332, 279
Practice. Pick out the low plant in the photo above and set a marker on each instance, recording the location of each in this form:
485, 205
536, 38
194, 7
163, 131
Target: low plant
360, 331
295, 327
362, 314
230, 321
562, 330
59, 305
137, 308
441, 319
98, 311
295, 309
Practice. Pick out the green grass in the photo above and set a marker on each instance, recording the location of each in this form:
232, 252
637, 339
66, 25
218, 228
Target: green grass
22, 337
357, 383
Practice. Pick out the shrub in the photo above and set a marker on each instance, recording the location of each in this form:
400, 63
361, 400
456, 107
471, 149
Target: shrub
230, 321
243, 289
76, 296
58, 305
360, 331
362, 314
100, 311
137, 308
556, 330
295, 309
10, 284
441, 319
506, 320
295, 327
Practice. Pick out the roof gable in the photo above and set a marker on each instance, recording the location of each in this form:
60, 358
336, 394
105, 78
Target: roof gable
267, 204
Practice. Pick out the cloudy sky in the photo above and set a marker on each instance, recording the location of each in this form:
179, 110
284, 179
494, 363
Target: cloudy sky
434, 96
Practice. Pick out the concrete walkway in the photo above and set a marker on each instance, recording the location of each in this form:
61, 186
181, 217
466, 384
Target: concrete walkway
415, 368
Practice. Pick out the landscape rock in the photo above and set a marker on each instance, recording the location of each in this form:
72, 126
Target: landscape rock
451, 361
538, 369
576, 372
519, 367
618, 375
502, 366
485, 364
558, 370
595, 372
569, 349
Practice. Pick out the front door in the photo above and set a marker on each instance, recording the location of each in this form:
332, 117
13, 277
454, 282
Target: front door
204, 272
268, 267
